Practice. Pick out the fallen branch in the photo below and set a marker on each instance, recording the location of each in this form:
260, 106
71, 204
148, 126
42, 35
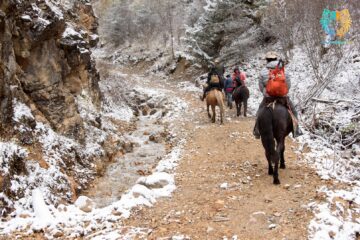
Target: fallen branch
334, 101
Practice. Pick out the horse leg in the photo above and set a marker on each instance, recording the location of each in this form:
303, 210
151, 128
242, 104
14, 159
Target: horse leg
208, 110
272, 155
228, 100
270, 167
213, 111
239, 108
281, 150
221, 116
276, 168
245, 108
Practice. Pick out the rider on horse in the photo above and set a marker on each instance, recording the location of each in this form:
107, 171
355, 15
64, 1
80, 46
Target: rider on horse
229, 88
272, 63
215, 78
238, 78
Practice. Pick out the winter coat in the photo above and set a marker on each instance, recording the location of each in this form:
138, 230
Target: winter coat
228, 85
240, 76
211, 85
264, 77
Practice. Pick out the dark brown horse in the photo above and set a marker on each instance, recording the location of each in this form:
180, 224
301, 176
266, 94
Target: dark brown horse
275, 123
241, 95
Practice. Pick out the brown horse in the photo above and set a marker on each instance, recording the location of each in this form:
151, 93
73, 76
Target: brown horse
215, 98
241, 95
275, 123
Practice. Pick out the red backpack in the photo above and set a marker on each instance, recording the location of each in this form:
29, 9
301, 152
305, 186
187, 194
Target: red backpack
276, 85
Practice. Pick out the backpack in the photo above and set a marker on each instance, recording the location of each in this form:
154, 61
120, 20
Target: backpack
214, 79
276, 85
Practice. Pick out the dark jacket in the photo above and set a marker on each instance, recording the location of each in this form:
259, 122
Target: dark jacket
211, 85
228, 85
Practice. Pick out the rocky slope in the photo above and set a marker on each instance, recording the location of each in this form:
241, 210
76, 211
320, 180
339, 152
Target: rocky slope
46, 75
47, 62
230, 29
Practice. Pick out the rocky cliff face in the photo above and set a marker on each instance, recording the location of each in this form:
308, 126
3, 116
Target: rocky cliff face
47, 78
46, 62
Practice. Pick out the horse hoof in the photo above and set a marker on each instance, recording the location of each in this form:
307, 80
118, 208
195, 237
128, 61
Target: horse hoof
282, 166
270, 172
276, 181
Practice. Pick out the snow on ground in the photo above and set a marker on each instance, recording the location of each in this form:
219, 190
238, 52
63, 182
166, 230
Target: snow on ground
334, 219
7, 152
73, 222
36, 211
327, 157
21, 110
189, 87
114, 105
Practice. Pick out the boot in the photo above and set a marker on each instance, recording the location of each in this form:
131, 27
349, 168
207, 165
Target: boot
203, 97
297, 132
256, 131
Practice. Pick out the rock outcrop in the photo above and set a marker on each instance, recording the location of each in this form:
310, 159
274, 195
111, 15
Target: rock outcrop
230, 29
46, 61
47, 76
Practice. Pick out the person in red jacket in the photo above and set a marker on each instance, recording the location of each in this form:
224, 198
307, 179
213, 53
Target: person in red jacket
238, 77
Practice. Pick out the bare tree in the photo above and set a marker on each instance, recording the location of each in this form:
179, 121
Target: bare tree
281, 20
170, 17
326, 58
165, 10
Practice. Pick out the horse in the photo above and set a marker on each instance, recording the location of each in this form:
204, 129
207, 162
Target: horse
215, 98
275, 123
241, 95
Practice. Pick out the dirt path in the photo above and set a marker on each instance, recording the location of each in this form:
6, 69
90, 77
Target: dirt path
223, 190
249, 207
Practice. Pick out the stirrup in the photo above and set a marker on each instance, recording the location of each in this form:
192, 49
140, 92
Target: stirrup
297, 133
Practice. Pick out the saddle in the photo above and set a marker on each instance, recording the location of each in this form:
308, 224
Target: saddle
270, 102
213, 88
239, 87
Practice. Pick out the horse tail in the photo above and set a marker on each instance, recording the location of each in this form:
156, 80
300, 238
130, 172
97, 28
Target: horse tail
220, 101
